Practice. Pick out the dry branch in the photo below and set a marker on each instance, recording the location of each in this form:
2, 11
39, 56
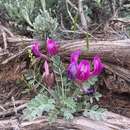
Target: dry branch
82, 16
12, 111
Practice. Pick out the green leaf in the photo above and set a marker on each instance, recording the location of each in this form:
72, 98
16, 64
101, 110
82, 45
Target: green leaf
95, 113
52, 116
97, 96
43, 3
31, 82
25, 15
44, 23
90, 82
95, 107
68, 115
93, 80
70, 103
56, 60
37, 106
87, 105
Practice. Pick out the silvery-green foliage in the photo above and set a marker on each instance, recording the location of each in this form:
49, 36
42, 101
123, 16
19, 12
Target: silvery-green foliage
94, 112
32, 14
37, 106
44, 23
91, 82
20, 10
69, 107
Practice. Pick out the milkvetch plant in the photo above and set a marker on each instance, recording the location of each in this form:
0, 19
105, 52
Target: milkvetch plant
63, 89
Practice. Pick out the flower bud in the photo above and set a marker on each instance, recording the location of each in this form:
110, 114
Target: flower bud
36, 49
52, 47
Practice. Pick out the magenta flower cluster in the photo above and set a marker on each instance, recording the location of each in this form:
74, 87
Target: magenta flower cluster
75, 71
51, 45
52, 49
82, 71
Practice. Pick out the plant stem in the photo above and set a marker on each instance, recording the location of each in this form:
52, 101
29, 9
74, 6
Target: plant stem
62, 85
44, 87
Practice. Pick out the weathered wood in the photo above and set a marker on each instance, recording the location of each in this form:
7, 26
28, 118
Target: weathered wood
116, 52
110, 122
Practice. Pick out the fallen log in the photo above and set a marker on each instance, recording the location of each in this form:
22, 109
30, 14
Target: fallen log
111, 52
110, 122
116, 52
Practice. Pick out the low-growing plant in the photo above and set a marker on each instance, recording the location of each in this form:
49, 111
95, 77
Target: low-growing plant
63, 90
32, 15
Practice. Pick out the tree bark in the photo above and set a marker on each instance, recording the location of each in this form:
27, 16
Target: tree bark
116, 52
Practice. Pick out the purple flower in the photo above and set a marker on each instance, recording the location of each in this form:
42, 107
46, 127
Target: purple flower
88, 91
83, 70
98, 66
75, 56
35, 49
72, 70
52, 47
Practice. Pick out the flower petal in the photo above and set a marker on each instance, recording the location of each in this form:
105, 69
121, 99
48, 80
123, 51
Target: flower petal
75, 56
98, 66
52, 47
36, 48
83, 70
72, 70
88, 91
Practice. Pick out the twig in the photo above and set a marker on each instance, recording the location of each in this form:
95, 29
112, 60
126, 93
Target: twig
7, 31
62, 23
70, 31
4, 39
11, 111
14, 56
2, 108
70, 15
4, 52
123, 20
27, 123
19, 40
79, 28
15, 110
17, 102
72, 5
82, 16
45, 57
